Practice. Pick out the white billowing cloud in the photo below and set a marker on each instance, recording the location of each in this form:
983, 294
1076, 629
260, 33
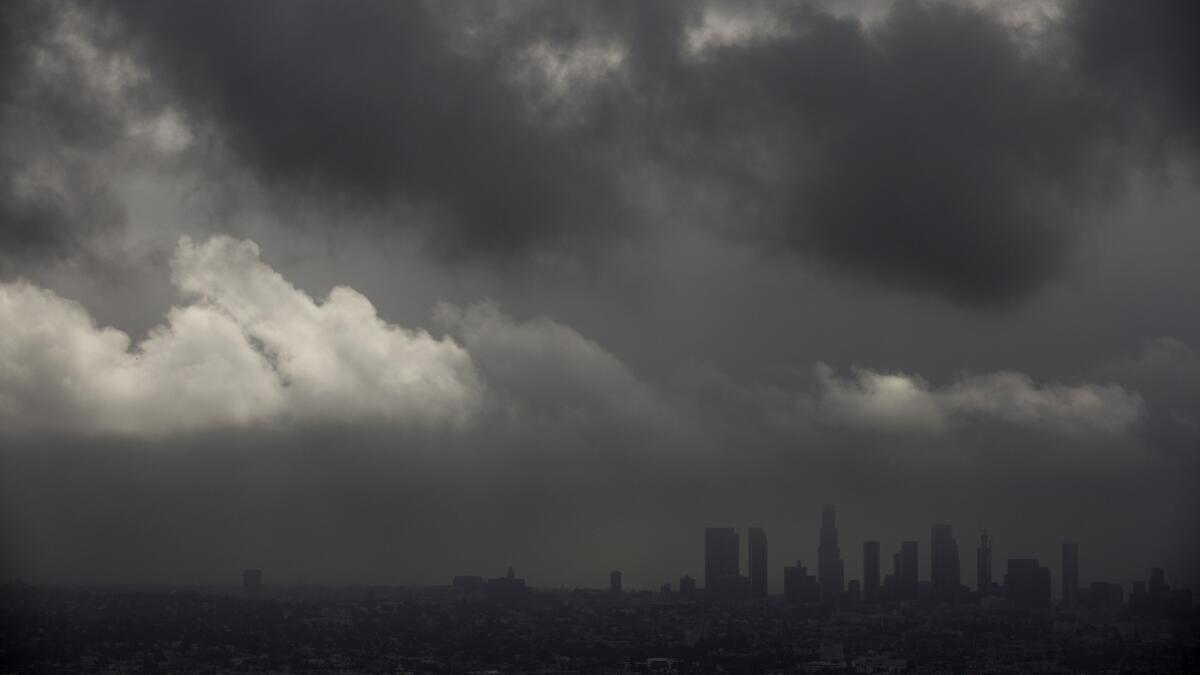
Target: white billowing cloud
544, 368
902, 402
876, 400
250, 348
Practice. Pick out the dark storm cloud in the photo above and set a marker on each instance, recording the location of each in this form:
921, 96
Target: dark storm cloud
939, 149
378, 103
1148, 51
931, 150
61, 111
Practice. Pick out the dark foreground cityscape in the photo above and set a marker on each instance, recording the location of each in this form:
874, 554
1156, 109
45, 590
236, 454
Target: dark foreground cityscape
1010, 623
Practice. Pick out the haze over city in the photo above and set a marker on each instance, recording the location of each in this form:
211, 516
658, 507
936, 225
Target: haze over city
395, 292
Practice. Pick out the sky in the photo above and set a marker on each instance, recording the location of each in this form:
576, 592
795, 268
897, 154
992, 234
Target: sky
396, 291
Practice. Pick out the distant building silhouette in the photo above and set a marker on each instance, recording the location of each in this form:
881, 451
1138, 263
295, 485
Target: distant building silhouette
1070, 573
722, 580
1027, 584
614, 582
983, 565
830, 567
870, 571
687, 589
467, 583
758, 562
853, 591
1158, 583
251, 582
507, 589
1103, 595
908, 580
944, 568
799, 586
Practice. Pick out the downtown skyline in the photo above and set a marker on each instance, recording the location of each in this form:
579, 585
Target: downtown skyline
371, 295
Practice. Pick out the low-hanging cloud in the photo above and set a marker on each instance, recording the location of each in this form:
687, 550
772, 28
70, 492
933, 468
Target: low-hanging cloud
899, 402
250, 348
542, 369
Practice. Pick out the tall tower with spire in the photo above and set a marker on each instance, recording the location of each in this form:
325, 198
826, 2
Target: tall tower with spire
830, 567
983, 564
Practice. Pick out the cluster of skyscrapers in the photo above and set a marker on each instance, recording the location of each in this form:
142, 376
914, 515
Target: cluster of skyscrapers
1026, 582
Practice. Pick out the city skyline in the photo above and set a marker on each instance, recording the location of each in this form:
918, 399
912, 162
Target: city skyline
372, 294
723, 554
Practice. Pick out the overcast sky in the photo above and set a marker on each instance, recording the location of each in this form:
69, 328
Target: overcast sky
389, 292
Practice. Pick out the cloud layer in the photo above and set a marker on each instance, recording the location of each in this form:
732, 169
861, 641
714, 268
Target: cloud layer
939, 147
897, 402
250, 348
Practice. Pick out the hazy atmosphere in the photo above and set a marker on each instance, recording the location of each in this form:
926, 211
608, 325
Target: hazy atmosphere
389, 292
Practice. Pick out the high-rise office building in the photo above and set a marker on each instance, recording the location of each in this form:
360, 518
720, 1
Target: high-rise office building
943, 568
721, 568
1027, 583
614, 582
853, 591
251, 582
908, 583
870, 571
758, 562
1070, 573
983, 564
1158, 583
830, 567
799, 586
687, 588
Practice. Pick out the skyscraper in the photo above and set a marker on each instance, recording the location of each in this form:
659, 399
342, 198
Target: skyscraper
871, 571
614, 582
251, 582
1070, 574
830, 570
758, 562
800, 586
909, 581
1027, 583
1158, 583
983, 564
687, 588
944, 568
720, 561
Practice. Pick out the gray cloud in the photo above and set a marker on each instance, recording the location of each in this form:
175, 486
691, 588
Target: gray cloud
250, 348
937, 147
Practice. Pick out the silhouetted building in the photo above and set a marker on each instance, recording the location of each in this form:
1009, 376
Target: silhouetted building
871, 571
830, 567
614, 582
1137, 598
1103, 595
665, 590
467, 583
1158, 583
908, 583
799, 586
507, 589
251, 582
1027, 584
721, 568
943, 569
983, 565
687, 589
758, 562
1070, 573
853, 591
